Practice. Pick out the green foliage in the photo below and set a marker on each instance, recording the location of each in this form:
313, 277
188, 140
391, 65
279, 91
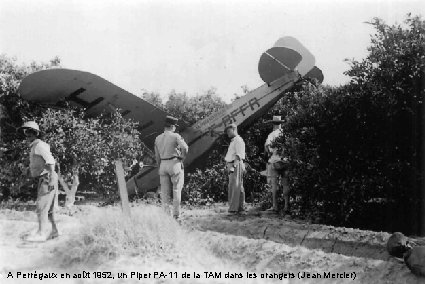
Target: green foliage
87, 146
13, 111
195, 108
153, 98
90, 145
203, 187
357, 152
84, 145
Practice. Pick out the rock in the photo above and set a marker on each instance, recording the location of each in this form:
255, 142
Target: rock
415, 260
398, 244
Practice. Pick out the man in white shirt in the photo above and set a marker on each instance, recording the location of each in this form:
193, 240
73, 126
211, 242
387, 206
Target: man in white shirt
275, 176
42, 166
170, 152
235, 166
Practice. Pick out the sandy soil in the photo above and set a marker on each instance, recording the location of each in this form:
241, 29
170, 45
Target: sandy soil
211, 241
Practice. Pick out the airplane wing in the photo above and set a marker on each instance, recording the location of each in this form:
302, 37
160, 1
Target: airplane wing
96, 95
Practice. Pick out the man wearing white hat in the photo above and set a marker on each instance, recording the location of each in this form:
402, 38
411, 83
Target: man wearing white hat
42, 166
170, 152
274, 167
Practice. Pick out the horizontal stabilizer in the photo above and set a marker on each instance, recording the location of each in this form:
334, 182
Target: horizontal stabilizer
277, 62
308, 59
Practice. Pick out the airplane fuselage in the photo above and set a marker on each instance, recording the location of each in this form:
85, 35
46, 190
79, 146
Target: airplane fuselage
202, 136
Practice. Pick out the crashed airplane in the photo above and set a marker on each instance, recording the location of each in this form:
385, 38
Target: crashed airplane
280, 67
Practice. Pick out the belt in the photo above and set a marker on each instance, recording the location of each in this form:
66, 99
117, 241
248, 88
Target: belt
234, 161
167, 159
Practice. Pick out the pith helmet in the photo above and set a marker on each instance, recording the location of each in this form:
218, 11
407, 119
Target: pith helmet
30, 124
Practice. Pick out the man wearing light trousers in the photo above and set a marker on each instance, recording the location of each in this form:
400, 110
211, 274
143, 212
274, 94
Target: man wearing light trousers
235, 166
42, 166
170, 152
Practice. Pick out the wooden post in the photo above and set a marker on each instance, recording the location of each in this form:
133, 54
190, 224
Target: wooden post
119, 171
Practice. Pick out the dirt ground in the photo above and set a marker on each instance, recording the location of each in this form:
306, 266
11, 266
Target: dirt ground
208, 242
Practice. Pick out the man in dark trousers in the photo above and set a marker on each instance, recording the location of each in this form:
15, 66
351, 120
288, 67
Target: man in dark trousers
170, 152
42, 166
235, 166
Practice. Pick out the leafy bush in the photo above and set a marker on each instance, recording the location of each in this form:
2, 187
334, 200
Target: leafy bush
82, 146
357, 151
204, 187
86, 146
192, 109
13, 112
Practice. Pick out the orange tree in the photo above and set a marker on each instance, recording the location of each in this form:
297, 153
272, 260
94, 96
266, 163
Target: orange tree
13, 111
194, 108
84, 147
89, 146
357, 151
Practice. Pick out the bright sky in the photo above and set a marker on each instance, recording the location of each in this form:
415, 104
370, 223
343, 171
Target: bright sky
160, 45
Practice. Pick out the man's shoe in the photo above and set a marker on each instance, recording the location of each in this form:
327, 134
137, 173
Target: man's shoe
53, 235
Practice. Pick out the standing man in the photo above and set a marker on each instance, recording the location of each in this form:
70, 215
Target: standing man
42, 165
274, 168
170, 152
235, 166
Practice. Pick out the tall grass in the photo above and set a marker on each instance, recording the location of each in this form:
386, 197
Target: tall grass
108, 234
